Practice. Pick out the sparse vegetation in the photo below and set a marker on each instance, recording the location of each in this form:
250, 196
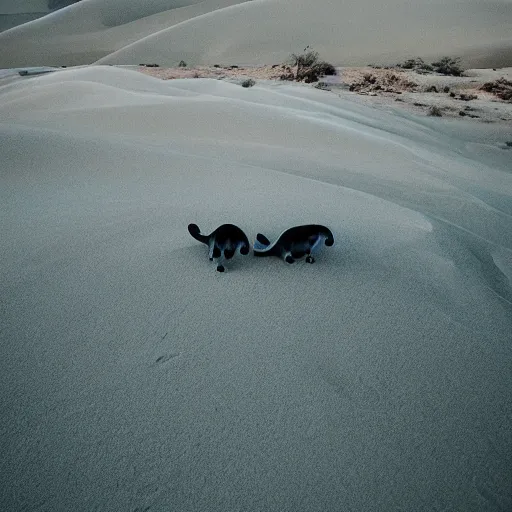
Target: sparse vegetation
445, 66
417, 64
308, 67
467, 97
182, 64
387, 82
322, 86
249, 82
435, 111
501, 88
448, 66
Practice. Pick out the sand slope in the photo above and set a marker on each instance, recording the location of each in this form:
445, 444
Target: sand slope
136, 377
263, 32
21, 11
18, 12
86, 31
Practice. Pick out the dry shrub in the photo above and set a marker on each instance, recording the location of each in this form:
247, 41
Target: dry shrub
385, 82
501, 88
435, 111
448, 66
248, 83
309, 67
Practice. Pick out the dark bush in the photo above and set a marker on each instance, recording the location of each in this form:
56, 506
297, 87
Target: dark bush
435, 111
324, 68
309, 68
501, 87
448, 66
417, 64
248, 83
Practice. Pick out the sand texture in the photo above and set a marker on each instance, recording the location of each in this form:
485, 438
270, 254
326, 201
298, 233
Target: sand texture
134, 377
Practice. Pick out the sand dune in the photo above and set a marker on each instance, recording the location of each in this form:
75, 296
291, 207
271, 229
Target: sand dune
89, 30
19, 12
261, 32
136, 377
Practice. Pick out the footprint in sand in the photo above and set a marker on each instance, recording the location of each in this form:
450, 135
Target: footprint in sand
167, 357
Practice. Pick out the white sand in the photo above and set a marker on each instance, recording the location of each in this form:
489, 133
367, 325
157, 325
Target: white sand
345, 32
135, 377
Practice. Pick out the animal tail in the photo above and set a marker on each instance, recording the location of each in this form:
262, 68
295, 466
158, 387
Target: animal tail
262, 239
194, 230
260, 244
329, 239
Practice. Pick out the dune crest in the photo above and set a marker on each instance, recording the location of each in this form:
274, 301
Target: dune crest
258, 32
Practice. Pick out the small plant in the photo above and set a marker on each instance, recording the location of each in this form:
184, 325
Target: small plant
368, 78
322, 86
417, 64
501, 88
305, 59
448, 66
387, 82
248, 83
408, 64
324, 68
309, 67
468, 97
182, 64
435, 111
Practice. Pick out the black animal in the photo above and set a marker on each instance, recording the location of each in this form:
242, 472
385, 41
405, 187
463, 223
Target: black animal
222, 243
295, 243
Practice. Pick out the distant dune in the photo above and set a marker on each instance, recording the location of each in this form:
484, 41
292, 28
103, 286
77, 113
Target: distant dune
17, 12
346, 32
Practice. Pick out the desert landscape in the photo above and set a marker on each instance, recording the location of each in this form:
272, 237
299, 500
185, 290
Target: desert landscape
135, 376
